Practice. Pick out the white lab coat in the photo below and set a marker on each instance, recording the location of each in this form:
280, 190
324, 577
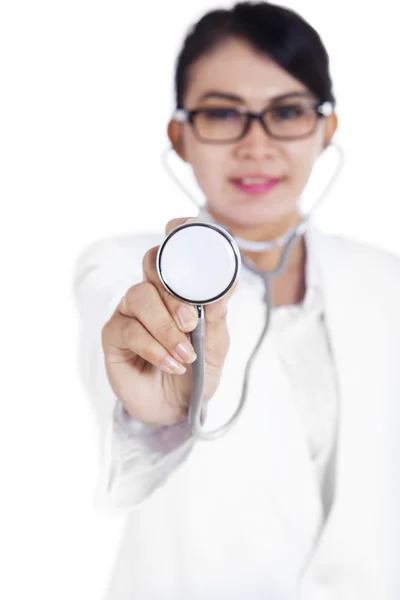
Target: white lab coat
356, 554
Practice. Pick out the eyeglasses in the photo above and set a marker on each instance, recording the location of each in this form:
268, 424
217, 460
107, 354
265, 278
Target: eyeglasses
221, 124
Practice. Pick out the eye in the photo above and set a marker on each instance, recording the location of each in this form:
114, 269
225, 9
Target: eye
221, 114
289, 112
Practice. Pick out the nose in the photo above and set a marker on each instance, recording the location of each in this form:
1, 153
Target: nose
256, 144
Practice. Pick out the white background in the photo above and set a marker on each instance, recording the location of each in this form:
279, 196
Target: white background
86, 92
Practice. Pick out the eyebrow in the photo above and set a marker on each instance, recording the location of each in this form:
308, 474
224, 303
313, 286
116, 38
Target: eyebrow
234, 98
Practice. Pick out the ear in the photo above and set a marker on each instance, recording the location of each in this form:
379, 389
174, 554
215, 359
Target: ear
331, 123
176, 139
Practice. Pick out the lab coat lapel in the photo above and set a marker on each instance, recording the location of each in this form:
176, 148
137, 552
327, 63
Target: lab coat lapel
348, 557
351, 550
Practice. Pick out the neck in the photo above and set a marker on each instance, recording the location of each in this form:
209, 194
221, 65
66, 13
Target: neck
269, 259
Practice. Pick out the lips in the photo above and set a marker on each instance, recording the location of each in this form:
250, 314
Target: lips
255, 184
256, 179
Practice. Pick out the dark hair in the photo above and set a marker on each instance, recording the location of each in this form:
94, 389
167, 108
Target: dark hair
273, 30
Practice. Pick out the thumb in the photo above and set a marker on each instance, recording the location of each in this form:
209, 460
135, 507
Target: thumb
217, 311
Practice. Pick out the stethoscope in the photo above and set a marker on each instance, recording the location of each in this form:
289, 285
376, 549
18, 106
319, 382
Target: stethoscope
199, 262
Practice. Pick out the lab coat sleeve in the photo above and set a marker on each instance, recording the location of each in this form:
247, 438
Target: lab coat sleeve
136, 458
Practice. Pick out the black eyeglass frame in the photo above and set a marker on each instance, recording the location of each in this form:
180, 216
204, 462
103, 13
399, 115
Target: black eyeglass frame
323, 109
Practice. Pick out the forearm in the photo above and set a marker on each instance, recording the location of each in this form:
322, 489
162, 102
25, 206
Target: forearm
139, 458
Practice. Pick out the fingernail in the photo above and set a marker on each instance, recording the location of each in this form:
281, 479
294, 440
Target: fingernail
186, 351
186, 315
174, 366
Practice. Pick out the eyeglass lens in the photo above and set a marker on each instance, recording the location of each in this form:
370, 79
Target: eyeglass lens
226, 124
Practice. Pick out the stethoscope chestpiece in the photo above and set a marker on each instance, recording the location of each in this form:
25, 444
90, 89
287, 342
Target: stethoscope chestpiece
198, 262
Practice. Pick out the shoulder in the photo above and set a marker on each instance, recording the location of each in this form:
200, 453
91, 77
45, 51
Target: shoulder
132, 245
121, 254
349, 253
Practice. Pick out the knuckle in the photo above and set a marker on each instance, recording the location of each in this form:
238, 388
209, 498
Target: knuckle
147, 289
149, 260
223, 313
141, 292
218, 314
174, 223
105, 335
108, 330
130, 329
170, 302
168, 330
156, 357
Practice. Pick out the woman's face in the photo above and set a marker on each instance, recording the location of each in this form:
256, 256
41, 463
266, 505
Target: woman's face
225, 171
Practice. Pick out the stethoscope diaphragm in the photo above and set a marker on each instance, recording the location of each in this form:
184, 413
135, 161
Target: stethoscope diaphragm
198, 262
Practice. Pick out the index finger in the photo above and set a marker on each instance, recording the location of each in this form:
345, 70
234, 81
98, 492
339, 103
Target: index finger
174, 223
184, 314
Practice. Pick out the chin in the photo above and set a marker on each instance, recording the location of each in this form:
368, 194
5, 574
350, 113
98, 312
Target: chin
252, 215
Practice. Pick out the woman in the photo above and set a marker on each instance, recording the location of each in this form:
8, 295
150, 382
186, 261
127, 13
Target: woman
298, 500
